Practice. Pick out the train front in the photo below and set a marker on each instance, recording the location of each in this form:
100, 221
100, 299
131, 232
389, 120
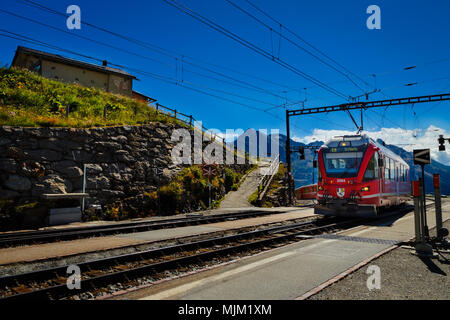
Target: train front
348, 177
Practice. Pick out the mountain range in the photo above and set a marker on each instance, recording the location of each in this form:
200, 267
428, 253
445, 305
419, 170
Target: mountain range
303, 169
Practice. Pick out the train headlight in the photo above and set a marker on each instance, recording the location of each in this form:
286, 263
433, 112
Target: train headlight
320, 188
365, 189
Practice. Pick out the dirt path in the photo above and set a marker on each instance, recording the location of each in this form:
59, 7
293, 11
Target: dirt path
239, 198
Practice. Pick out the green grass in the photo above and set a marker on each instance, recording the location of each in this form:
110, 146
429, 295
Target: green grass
29, 100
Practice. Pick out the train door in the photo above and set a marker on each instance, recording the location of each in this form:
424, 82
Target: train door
397, 182
386, 177
379, 166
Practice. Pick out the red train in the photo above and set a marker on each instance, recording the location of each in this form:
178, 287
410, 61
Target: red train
359, 177
306, 192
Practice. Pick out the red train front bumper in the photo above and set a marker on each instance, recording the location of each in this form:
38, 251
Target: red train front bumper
344, 208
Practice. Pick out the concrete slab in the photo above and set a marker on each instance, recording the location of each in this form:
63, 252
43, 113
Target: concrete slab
163, 234
180, 232
59, 249
287, 272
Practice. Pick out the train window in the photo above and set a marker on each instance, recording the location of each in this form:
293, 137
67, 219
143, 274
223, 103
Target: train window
372, 170
342, 164
386, 168
391, 169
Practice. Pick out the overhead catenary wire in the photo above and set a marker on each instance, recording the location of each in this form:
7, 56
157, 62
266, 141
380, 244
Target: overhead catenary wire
30, 1
295, 34
239, 83
293, 42
253, 47
398, 70
22, 37
27, 39
157, 49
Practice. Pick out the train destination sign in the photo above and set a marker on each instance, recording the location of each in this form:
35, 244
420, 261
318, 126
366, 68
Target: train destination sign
340, 149
422, 156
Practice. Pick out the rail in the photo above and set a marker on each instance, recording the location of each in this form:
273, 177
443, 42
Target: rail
267, 177
99, 273
185, 118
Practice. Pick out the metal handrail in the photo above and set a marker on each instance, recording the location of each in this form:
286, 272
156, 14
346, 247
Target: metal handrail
266, 177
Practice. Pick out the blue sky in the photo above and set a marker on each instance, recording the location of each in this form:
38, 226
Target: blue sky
413, 33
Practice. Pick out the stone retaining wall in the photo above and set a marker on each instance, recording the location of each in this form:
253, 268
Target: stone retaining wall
121, 161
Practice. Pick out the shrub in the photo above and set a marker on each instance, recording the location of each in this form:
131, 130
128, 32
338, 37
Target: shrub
170, 196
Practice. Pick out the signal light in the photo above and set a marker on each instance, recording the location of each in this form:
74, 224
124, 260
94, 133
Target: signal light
320, 188
302, 153
365, 189
441, 141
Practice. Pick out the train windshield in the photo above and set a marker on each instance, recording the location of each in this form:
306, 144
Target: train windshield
342, 164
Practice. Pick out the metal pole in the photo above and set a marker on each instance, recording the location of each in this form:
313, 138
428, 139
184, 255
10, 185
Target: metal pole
84, 186
424, 209
288, 157
422, 247
209, 193
415, 186
437, 202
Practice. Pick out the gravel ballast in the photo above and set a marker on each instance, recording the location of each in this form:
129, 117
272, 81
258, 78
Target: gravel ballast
403, 277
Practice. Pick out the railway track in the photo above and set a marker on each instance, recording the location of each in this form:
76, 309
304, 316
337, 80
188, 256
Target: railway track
97, 274
45, 236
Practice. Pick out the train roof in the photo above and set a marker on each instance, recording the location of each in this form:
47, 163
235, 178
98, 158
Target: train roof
362, 139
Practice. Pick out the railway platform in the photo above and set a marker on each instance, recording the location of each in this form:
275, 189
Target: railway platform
45, 251
294, 271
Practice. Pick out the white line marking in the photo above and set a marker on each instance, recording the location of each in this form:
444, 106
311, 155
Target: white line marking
186, 287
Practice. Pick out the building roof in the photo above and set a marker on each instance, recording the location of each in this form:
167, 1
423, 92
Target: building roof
72, 62
144, 96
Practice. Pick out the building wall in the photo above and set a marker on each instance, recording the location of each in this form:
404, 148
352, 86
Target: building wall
72, 74
120, 85
27, 62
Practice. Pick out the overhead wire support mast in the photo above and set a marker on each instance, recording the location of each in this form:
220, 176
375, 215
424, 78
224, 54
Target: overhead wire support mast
347, 107
370, 104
